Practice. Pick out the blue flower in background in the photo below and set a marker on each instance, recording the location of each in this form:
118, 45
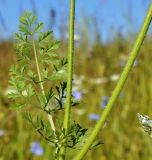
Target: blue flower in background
105, 100
123, 63
77, 95
93, 116
121, 95
135, 63
36, 149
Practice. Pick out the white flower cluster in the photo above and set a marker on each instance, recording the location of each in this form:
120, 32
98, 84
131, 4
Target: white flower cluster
146, 123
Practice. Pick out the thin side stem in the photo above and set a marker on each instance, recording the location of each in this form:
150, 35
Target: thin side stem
41, 85
119, 85
70, 74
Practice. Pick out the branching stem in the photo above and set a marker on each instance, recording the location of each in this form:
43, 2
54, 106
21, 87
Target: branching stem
41, 84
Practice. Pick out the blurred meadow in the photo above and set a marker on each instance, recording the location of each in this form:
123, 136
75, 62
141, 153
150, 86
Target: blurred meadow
99, 61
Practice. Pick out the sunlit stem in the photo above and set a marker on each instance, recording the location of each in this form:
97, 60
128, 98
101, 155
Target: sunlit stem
70, 74
41, 84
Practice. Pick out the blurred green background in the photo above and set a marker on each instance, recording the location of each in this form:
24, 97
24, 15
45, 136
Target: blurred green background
97, 68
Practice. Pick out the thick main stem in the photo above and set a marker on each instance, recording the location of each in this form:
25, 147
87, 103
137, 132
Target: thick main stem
70, 66
41, 85
119, 85
70, 73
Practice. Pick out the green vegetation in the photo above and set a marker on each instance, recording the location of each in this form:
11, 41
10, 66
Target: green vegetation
122, 135
96, 74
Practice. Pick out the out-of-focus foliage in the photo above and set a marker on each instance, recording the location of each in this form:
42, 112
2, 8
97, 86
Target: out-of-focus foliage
97, 69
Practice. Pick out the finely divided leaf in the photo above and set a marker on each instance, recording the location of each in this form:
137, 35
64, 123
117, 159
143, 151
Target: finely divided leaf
60, 74
24, 30
38, 27
43, 36
17, 106
28, 19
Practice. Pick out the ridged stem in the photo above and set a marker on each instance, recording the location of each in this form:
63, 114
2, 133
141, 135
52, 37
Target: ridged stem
70, 74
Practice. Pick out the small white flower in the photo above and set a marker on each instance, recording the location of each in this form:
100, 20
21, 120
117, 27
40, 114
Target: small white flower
115, 77
76, 37
24, 93
2, 132
146, 123
99, 80
80, 111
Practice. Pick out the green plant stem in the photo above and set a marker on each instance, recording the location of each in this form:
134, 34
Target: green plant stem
70, 73
41, 85
119, 85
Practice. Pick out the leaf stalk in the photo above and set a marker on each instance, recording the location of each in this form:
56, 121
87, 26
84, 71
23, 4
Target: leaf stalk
41, 84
